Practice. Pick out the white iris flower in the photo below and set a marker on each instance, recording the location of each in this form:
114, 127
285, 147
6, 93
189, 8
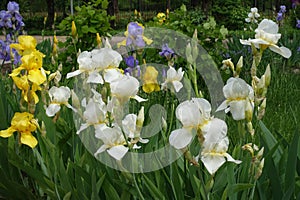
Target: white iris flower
267, 36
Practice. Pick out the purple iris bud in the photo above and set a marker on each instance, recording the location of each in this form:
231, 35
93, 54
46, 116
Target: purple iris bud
13, 7
298, 50
131, 62
279, 16
166, 51
134, 29
298, 23
282, 9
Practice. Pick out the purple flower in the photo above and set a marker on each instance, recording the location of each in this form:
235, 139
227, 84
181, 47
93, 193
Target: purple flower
134, 29
298, 50
135, 35
298, 23
131, 62
282, 9
166, 51
279, 16
12, 7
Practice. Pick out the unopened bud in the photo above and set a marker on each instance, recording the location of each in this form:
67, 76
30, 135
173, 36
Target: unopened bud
250, 128
140, 118
229, 64
75, 100
262, 109
239, 65
267, 75
260, 153
98, 39
188, 53
74, 31
164, 124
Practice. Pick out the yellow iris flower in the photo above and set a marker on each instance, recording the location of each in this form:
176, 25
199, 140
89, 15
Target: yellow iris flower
26, 45
150, 80
24, 124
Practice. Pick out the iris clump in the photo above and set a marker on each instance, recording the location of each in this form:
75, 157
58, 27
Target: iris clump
11, 22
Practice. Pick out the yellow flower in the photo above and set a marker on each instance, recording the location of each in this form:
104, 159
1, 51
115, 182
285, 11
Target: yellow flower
26, 45
161, 17
24, 124
150, 80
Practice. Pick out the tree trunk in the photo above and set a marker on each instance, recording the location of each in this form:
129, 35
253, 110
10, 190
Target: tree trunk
50, 8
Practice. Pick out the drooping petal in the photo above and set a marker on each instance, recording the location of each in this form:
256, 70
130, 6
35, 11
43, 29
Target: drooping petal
237, 109
180, 138
101, 149
117, 152
72, 74
231, 159
285, 52
7, 133
28, 139
177, 85
212, 162
52, 109
95, 77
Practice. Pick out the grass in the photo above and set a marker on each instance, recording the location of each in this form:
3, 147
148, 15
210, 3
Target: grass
283, 111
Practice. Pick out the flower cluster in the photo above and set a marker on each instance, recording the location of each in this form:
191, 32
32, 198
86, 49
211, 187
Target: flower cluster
281, 13
12, 25
102, 111
30, 74
195, 116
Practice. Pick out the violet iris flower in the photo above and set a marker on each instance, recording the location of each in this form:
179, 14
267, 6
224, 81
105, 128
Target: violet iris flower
282, 9
166, 51
135, 35
298, 23
133, 68
131, 62
12, 7
279, 16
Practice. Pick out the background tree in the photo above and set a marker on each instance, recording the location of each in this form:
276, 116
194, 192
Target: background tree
50, 10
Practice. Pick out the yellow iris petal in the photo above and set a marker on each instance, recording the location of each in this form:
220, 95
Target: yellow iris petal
22, 122
147, 40
151, 87
7, 133
21, 82
28, 139
16, 71
150, 80
26, 44
36, 76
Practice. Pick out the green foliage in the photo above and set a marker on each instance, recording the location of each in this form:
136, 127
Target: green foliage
89, 19
233, 17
